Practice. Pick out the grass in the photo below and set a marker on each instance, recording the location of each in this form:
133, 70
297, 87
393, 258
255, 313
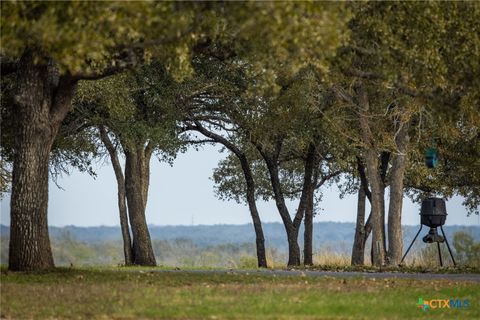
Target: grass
132, 293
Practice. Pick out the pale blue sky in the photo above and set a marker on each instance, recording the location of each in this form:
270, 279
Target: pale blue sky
183, 194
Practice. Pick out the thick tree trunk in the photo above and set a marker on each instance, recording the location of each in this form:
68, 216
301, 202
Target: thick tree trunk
395, 239
42, 101
308, 232
308, 222
293, 248
137, 175
121, 195
29, 240
358, 250
384, 160
377, 223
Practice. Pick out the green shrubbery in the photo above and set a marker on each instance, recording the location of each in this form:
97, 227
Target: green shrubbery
467, 249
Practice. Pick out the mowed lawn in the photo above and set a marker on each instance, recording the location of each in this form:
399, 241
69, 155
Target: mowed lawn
126, 293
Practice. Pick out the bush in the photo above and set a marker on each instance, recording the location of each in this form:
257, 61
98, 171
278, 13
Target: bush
467, 250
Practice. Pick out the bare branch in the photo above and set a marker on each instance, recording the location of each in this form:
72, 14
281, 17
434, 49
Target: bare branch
201, 141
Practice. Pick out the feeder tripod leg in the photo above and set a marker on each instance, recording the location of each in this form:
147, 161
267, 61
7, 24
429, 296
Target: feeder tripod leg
411, 244
439, 254
448, 246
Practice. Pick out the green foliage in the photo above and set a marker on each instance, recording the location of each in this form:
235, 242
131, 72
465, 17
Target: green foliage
86, 37
138, 107
278, 39
467, 249
416, 61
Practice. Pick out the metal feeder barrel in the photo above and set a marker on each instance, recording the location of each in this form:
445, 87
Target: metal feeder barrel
433, 212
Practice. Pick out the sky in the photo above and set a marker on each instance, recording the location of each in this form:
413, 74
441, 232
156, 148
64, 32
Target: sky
184, 195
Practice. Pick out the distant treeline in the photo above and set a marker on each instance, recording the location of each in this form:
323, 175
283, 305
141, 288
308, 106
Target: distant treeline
336, 235
194, 246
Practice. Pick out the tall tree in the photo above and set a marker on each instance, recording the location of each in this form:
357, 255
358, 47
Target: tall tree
396, 81
50, 47
137, 109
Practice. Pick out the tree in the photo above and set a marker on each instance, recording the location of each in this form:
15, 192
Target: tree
136, 110
218, 80
285, 141
50, 47
392, 75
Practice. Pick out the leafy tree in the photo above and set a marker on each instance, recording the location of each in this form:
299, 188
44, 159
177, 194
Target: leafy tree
50, 47
391, 81
218, 81
136, 110
283, 138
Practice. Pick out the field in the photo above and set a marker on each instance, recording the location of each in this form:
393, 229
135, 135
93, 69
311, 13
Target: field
132, 293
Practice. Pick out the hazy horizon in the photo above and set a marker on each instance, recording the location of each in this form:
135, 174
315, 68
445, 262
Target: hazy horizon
184, 195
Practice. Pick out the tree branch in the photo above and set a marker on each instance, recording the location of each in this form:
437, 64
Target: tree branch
8, 67
202, 141
363, 178
363, 74
149, 149
109, 71
113, 154
326, 178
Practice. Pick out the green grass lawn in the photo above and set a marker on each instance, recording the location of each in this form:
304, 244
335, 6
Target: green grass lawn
130, 293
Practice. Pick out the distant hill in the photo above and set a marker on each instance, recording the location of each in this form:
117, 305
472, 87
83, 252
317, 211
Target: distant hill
334, 235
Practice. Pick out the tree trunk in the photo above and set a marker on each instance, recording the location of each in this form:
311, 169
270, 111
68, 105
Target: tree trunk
367, 227
257, 224
308, 223
395, 239
137, 175
374, 179
42, 101
292, 232
122, 205
384, 161
252, 205
291, 227
308, 232
358, 251
293, 248
377, 223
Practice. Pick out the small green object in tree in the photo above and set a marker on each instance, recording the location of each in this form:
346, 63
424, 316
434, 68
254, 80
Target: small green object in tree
431, 157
